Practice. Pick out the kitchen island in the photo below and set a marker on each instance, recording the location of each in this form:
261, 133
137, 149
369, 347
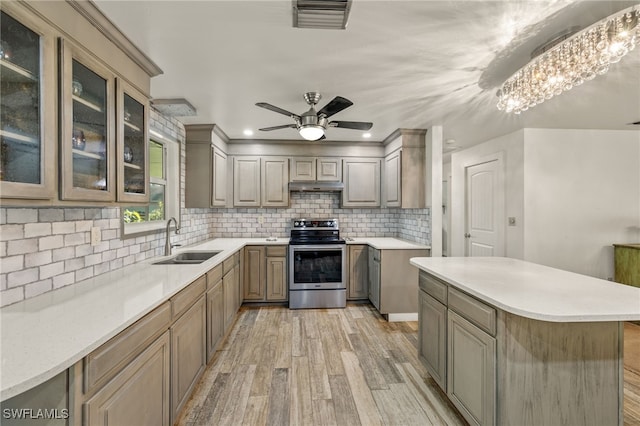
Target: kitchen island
512, 342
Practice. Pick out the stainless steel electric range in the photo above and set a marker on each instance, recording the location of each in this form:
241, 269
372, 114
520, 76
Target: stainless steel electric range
317, 267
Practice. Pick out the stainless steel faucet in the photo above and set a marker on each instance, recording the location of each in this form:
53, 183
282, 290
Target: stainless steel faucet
168, 246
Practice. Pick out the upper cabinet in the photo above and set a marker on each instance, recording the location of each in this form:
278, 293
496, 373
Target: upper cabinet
87, 140
27, 106
392, 179
246, 181
206, 168
312, 168
404, 177
133, 148
361, 182
73, 130
275, 185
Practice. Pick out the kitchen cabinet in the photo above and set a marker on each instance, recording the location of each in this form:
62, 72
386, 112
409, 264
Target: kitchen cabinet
231, 288
188, 354
139, 394
133, 144
274, 180
627, 264
265, 273
432, 337
374, 277
28, 122
392, 181
87, 137
246, 181
361, 182
316, 169
215, 310
358, 284
206, 168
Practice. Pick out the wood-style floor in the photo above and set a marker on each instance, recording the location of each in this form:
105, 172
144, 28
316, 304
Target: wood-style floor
328, 367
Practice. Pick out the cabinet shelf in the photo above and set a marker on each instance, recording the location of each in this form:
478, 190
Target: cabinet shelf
87, 103
132, 166
132, 126
88, 155
19, 74
18, 137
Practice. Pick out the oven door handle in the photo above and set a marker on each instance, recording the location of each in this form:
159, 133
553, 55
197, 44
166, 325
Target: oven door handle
323, 247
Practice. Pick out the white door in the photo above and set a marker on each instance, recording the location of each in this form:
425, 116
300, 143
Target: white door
484, 210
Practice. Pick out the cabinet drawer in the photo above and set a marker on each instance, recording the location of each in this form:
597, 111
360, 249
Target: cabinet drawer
484, 316
183, 300
276, 251
213, 276
433, 287
228, 264
103, 363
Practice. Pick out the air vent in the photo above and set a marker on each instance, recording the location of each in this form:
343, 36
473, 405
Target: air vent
174, 107
321, 14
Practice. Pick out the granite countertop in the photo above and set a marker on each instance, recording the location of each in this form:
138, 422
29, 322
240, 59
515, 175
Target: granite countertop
384, 243
536, 291
47, 334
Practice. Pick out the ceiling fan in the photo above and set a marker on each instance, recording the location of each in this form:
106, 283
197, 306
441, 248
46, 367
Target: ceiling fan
312, 124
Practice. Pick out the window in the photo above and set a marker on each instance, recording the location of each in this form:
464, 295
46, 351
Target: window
164, 178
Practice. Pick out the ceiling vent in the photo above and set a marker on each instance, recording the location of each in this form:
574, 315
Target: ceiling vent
178, 107
321, 14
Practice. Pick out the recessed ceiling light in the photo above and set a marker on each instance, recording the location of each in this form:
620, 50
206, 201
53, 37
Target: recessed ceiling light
450, 141
366, 135
248, 132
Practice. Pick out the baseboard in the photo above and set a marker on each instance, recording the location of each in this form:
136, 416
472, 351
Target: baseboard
412, 316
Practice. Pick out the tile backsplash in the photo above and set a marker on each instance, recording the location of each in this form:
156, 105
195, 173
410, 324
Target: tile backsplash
42, 249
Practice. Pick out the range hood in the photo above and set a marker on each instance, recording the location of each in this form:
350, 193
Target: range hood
316, 186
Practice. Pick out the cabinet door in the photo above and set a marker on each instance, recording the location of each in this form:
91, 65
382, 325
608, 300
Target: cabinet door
361, 183
87, 151
219, 177
230, 295
303, 169
28, 124
329, 169
471, 377
138, 395
133, 146
276, 278
358, 272
215, 318
392, 180
237, 283
246, 181
275, 182
374, 277
188, 354
254, 268
432, 337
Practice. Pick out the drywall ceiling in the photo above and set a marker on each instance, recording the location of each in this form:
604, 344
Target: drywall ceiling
404, 64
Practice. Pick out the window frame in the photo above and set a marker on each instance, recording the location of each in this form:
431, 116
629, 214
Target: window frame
172, 164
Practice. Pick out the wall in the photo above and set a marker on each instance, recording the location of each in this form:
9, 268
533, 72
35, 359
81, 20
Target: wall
573, 193
42, 249
511, 147
582, 194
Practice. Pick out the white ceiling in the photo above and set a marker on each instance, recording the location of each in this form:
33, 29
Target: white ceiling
404, 64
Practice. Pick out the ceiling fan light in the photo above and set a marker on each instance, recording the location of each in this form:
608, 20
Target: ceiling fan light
311, 132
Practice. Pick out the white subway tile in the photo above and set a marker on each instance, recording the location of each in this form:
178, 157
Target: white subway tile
51, 270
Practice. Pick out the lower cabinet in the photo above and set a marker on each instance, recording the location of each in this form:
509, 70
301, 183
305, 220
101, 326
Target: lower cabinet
139, 394
432, 338
374, 277
265, 274
358, 284
215, 318
471, 370
188, 354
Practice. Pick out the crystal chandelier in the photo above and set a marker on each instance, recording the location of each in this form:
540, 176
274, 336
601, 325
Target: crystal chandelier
569, 61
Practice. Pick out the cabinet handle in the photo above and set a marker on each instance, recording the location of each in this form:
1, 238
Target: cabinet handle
467, 235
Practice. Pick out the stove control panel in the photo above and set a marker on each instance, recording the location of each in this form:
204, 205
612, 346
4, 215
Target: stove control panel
315, 223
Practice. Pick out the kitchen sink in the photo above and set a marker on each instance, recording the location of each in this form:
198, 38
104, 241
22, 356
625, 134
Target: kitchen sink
188, 258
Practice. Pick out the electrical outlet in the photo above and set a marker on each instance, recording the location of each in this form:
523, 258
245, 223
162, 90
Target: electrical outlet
260, 219
96, 236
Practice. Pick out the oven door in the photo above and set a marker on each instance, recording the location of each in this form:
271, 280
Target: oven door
317, 267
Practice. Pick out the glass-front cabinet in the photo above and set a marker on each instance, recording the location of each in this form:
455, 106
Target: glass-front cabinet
87, 150
27, 107
133, 146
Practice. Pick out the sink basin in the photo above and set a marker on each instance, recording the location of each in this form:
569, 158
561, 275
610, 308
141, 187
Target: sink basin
188, 258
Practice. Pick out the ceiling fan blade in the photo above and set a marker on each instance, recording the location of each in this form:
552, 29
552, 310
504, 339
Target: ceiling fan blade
284, 126
335, 106
276, 109
357, 125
